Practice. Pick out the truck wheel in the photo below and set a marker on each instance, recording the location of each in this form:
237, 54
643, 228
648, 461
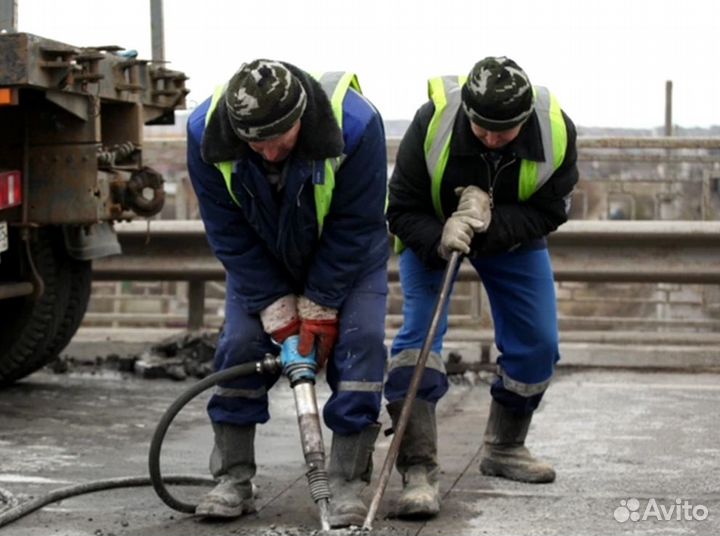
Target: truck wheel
29, 326
79, 274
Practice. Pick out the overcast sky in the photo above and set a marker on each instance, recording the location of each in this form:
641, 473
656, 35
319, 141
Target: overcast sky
606, 60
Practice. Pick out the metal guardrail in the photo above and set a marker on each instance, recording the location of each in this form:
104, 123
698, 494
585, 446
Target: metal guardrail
591, 147
587, 251
611, 251
647, 142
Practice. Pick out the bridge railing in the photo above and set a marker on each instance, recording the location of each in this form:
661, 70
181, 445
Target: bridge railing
584, 251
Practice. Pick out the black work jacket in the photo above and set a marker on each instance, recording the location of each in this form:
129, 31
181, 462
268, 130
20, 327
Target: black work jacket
514, 223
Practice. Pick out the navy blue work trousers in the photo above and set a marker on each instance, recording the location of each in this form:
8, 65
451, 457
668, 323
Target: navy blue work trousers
354, 372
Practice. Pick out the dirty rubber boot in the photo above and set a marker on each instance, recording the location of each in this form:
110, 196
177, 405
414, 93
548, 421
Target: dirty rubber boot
417, 461
232, 462
504, 453
349, 471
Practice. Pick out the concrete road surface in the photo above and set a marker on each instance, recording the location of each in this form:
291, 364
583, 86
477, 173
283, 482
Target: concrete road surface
636, 453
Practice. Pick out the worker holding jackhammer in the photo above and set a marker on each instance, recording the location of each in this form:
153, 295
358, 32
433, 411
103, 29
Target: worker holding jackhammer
486, 168
290, 172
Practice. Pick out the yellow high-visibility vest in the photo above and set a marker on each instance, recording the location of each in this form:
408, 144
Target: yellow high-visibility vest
336, 85
445, 92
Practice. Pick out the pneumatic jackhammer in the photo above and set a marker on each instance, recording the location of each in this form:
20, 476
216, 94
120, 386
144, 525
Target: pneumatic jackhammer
301, 372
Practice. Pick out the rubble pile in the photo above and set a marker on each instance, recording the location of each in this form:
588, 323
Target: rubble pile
188, 355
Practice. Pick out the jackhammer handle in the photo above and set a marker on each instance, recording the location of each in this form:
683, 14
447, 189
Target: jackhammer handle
412, 389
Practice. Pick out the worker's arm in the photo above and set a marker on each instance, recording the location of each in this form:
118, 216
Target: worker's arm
254, 275
354, 235
411, 213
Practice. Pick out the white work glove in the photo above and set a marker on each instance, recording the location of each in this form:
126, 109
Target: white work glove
280, 318
472, 216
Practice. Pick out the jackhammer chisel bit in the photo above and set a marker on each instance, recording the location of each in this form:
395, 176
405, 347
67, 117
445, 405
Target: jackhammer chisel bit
300, 371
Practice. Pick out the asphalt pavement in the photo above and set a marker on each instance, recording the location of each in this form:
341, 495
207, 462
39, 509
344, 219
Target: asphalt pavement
635, 452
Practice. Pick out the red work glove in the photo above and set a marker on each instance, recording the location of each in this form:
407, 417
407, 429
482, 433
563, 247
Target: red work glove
318, 328
280, 318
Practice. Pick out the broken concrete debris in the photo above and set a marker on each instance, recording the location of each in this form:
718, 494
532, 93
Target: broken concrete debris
190, 355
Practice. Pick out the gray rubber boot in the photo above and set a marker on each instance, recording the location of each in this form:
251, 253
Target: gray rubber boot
232, 462
349, 471
504, 453
417, 461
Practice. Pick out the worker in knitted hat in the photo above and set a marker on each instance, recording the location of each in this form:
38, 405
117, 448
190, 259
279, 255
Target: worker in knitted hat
291, 176
486, 168
264, 100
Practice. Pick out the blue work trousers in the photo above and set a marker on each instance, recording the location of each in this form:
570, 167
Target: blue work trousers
354, 372
520, 287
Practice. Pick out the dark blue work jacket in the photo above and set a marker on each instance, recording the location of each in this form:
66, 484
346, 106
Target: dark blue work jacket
269, 244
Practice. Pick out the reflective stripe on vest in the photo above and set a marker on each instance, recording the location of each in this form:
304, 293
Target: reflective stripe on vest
336, 86
445, 92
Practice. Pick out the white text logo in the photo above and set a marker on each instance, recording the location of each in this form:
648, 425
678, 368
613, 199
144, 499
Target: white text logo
680, 510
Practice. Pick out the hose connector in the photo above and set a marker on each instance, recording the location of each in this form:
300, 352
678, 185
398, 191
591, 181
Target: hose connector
270, 365
295, 366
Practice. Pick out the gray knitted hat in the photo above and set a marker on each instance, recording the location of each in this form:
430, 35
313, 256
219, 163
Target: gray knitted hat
264, 100
498, 95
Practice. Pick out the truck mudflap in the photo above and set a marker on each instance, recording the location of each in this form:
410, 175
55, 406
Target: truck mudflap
88, 242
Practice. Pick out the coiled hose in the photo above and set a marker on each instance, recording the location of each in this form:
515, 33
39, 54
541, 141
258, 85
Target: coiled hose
267, 365
162, 427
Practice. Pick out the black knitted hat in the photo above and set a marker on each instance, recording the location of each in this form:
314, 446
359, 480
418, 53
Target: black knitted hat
264, 100
498, 95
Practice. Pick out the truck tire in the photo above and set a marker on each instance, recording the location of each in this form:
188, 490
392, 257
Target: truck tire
32, 329
79, 286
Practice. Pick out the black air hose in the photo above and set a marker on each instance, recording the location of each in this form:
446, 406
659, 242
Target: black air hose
268, 365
